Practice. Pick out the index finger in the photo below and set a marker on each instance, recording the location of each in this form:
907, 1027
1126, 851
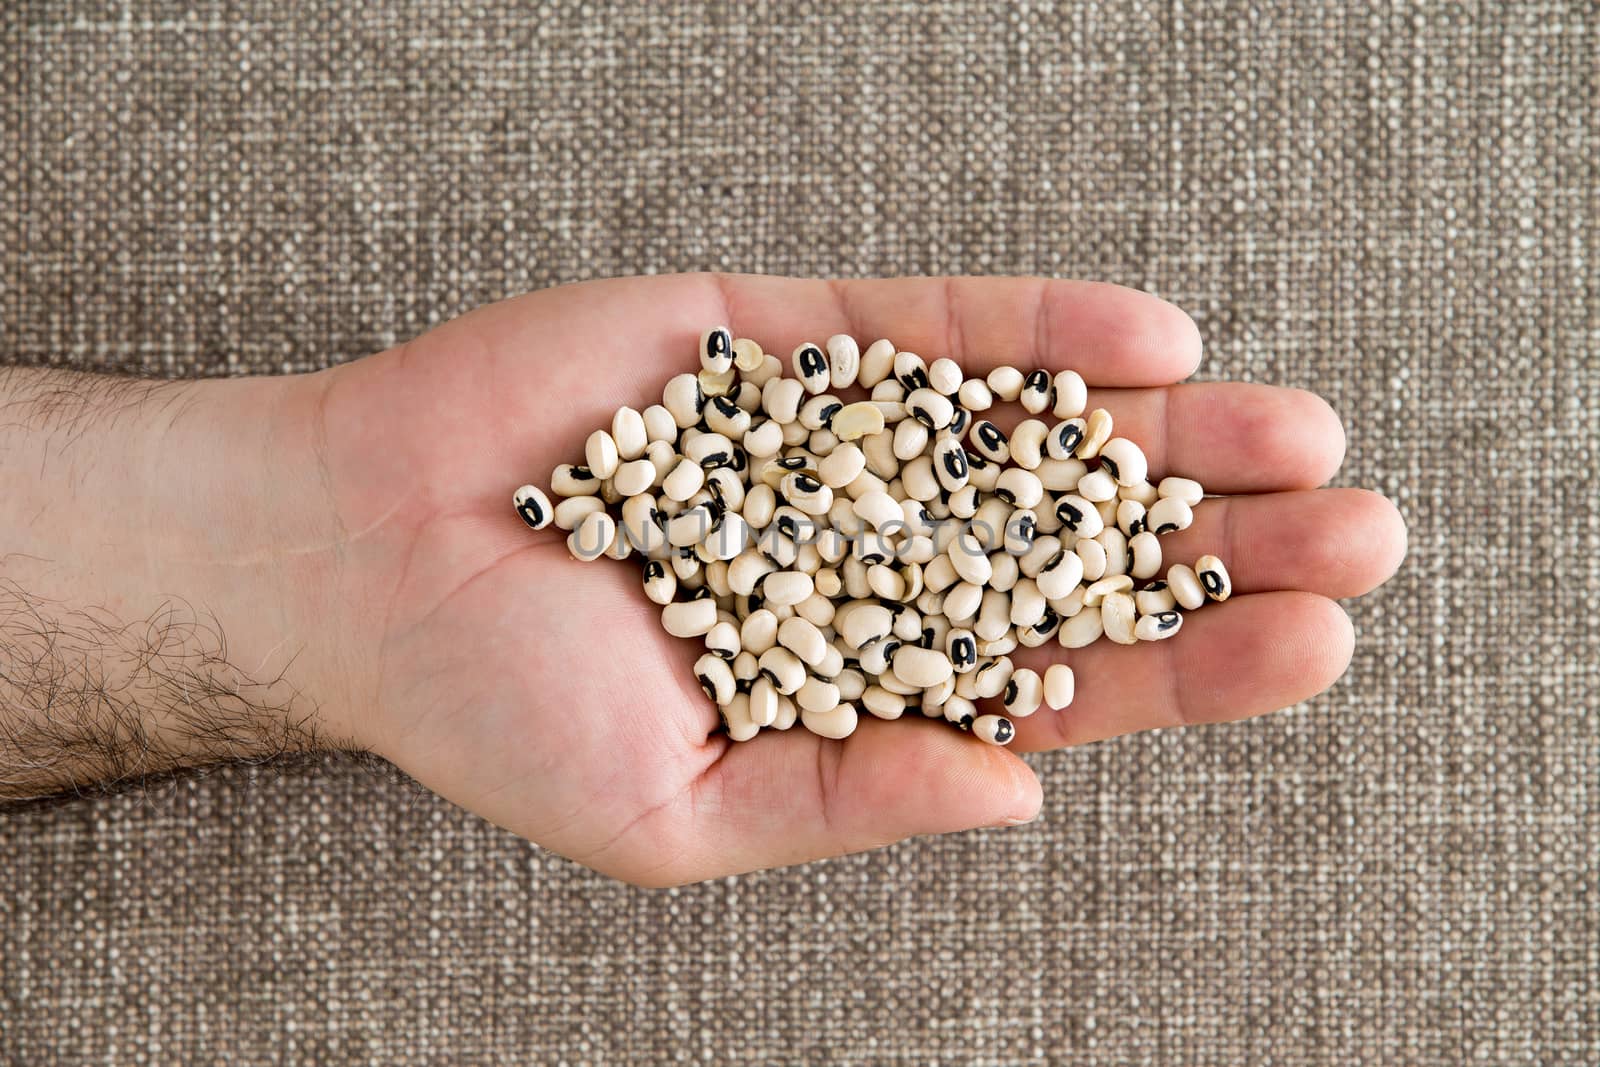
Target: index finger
1110, 334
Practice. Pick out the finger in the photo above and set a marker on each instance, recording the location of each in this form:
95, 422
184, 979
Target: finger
1110, 334
792, 797
1244, 657
1231, 437
1335, 542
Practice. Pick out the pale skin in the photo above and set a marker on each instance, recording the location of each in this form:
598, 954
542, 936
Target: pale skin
351, 534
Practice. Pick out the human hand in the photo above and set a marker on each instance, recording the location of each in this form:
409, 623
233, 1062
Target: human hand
208, 570
541, 692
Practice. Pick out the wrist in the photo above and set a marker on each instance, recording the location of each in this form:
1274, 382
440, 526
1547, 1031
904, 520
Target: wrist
180, 530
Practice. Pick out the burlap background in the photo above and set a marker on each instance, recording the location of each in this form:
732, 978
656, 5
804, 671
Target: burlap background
1395, 207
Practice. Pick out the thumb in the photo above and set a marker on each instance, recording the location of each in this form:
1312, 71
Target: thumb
792, 797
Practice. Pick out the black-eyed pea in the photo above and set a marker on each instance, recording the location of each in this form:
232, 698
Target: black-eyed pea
957, 710
759, 631
1041, 631
683, 398
930, 407
919, 480
659, 425
1027, 443
1027, 607
788, 674
764, 440
714, 384
745, 671
748, 397
660, 583
689, 527
726, 417
716, 350
961, 648
1155, 598
1061, 575
1213, 578
736, 718
1093, 556
804, 639
1069, 605
781, 398
835, 724
950, 464
818, 412
1119, 615
806, 493
570, 480
994, 616
716, 679
989, 441
787, 588
634, 477
1116, 546
726, 487
1081, 629
1131, 517
788, 713
1023, 693
910, 370
1185, 489
983, 473
1096, 592
1144, 551
1124, 460
1097, 486
944, 375
532, 506
1000, 646
574, 509
993, 729
1072, 395
877, 363
747, 355
883, 704
1097, 431
1060, 475
1170, 514
921, 667
844, 360
1059, 685
852, 683
684, 481
1078, 516
1006, 383
910, 438
1038, 392
817, 695
1107, 510
763, 701
1185, 586
817, 609
1064, 438
1157, 627
975, 395
722, 640
990, 679
1143, 492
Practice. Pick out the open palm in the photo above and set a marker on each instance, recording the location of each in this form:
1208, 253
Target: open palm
542, 693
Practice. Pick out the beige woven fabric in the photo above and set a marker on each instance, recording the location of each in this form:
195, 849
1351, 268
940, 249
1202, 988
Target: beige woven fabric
1395, 206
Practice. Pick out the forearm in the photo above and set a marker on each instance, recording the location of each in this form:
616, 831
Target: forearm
164, 545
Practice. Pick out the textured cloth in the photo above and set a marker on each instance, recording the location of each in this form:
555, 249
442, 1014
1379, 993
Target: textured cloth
1395, 207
